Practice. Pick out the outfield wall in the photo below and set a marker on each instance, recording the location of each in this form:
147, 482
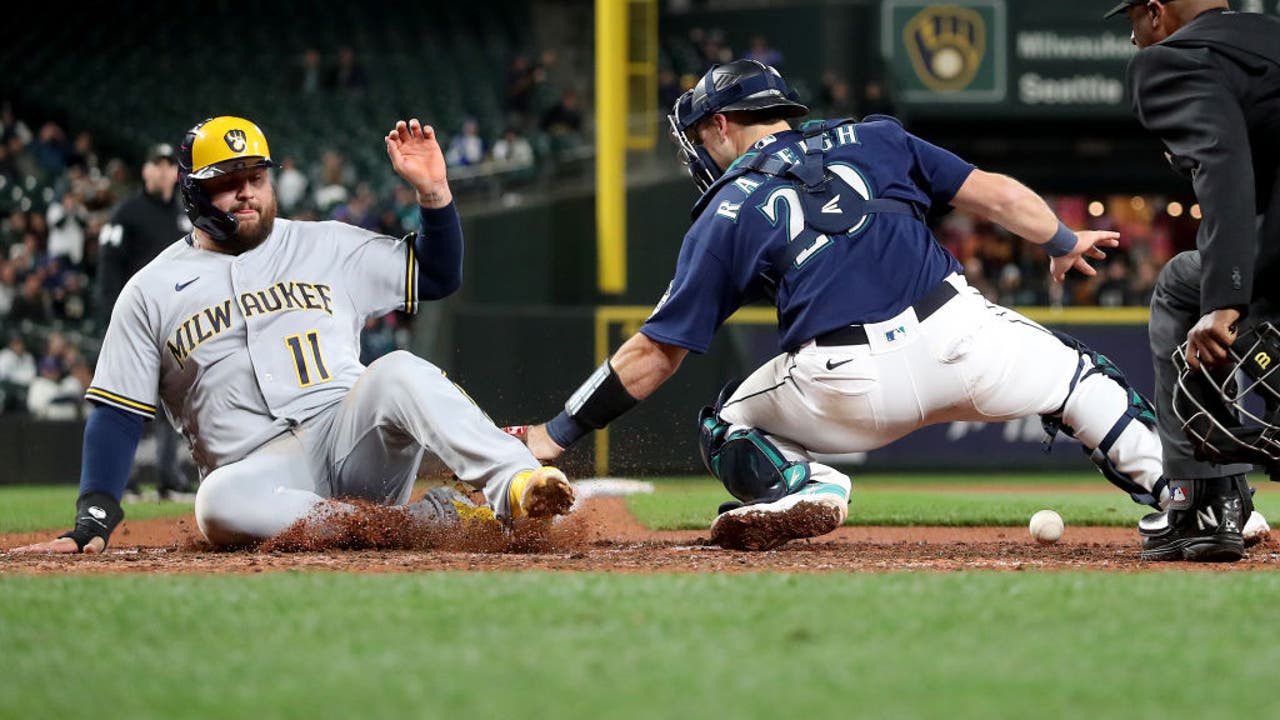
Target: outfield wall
521, 363
525, 330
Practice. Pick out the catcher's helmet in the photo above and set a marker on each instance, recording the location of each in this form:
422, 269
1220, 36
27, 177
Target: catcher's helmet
1232, 414
741, 85
217, 146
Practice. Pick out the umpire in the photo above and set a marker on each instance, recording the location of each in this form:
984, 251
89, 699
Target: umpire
1207, 82
139, 229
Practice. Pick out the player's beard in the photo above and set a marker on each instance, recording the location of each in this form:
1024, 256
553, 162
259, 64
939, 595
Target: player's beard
250, 235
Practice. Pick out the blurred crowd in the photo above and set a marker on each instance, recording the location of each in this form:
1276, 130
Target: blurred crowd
57, 192
686, 57
536, 130
52, 316
1013, 272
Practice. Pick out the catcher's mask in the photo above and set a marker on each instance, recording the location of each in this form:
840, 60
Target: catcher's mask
217, 146
1232, 414
742, 85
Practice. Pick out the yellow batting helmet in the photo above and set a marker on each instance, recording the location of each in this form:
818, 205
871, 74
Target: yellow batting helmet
217, 146
221, 145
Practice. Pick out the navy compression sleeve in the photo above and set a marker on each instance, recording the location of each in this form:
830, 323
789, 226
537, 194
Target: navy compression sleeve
110, 438
439, 249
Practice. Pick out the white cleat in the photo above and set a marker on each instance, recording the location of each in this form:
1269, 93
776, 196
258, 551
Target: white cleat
1255, 529
814, 511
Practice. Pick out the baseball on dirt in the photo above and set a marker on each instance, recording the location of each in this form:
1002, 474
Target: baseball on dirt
1046, 527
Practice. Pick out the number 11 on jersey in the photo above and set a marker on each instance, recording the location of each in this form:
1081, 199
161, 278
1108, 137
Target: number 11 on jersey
306, 376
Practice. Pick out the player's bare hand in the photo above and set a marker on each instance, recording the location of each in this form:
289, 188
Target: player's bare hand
541, 444
1089, 244
61, 545
1209, 339
416, 156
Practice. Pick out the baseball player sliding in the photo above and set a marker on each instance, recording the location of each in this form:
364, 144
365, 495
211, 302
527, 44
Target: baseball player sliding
247, 330
880, 333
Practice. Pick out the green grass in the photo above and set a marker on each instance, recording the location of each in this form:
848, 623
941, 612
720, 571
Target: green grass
25, 508
691, 504
1155, 644
962, 645
695, 509
898, 480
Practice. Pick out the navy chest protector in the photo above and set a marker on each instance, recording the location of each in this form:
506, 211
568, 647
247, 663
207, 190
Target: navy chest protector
830, 205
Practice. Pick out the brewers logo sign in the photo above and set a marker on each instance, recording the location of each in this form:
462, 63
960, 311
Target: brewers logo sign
946, 52
946, 44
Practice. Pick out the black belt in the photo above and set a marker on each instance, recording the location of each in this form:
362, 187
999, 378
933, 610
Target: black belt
857, 334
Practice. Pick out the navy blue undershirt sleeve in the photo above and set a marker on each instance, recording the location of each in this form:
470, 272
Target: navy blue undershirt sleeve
110, 439
438, 246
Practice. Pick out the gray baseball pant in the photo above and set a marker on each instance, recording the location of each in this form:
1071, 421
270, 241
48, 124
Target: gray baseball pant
1175, 308
367, 446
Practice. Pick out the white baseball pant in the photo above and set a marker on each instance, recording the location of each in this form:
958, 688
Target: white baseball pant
970, 360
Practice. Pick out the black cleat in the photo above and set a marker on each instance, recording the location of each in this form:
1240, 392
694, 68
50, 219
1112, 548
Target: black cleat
1204, 522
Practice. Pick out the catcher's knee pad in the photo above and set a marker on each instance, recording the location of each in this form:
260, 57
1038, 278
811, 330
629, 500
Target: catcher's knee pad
1093, 363
745, 460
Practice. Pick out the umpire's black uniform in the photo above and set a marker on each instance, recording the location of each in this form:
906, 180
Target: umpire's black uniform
1211, 92
138, 230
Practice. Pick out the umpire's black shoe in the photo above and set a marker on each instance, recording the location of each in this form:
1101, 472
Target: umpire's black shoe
1203, 523
181, 491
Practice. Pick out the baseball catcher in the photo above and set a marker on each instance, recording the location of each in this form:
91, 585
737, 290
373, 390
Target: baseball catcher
880, 333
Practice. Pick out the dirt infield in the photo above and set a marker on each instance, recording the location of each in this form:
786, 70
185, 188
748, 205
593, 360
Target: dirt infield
603, 536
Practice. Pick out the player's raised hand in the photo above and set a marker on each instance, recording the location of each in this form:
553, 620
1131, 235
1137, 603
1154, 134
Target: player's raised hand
1089, 244
416, 156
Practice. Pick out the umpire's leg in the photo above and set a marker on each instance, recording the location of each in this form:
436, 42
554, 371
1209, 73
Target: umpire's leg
1175, 308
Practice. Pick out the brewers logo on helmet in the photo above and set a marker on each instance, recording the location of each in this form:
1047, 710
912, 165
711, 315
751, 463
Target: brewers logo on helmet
224, 144
218, 146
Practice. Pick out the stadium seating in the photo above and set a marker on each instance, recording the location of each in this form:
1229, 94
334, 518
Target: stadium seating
135, 72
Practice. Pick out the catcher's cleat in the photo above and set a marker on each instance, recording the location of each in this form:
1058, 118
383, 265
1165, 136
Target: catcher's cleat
1204, 523
540, 493
816, 510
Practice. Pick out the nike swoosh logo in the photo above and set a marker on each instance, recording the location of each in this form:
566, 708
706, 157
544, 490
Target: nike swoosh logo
832, 205
833, 366
183, 286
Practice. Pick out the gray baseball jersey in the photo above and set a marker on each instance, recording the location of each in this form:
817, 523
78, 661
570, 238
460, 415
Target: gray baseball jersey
242, 347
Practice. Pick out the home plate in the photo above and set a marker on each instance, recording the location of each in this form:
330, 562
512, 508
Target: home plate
605, 487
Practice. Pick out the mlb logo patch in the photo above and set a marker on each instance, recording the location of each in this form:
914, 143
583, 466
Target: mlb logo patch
1179, 495
895, 333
